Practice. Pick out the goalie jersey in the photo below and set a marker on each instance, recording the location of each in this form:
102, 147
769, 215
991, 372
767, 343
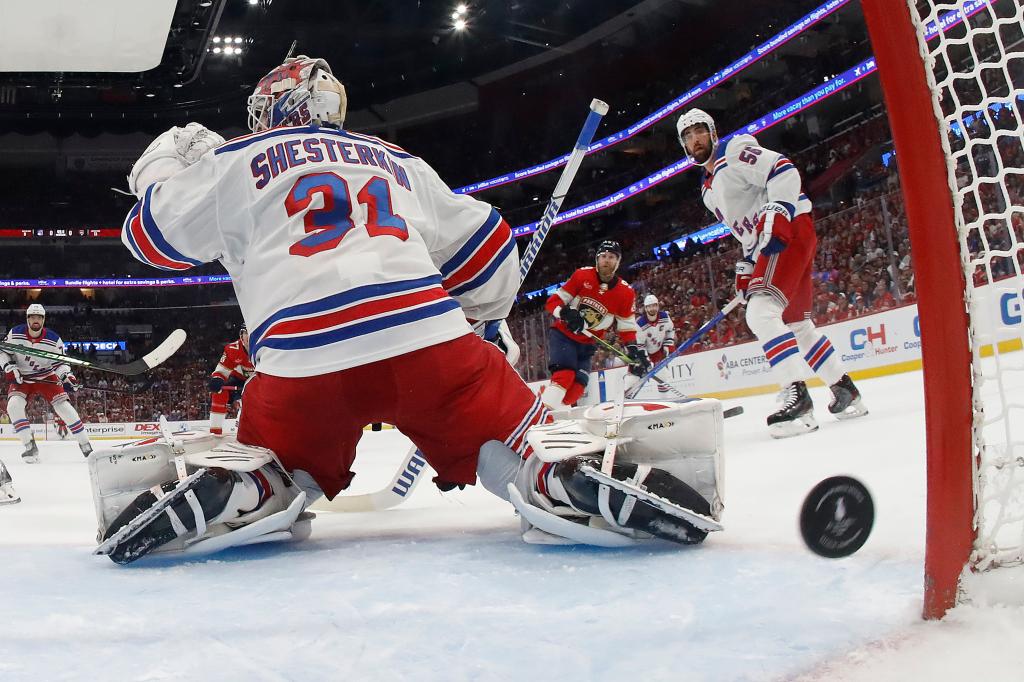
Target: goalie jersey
343, 249
33, 368
744, 177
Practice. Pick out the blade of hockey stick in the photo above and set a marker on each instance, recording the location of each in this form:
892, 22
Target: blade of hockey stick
166, 349
405, 480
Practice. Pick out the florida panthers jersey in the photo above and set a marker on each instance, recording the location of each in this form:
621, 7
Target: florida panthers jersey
234, 363
744, 177
656, 335
343, 249
32, 367
601, 305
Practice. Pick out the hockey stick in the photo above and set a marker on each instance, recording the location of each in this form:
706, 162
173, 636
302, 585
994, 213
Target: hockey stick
597, 110
387, 498
150, 360
401, 486
630, 361
136, 390
719, 316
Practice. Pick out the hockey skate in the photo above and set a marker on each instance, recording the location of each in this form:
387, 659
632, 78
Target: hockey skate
31, 453
7, 494
846, 402
796, 416
642, 498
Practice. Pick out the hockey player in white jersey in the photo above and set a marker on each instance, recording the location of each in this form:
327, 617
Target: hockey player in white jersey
657, 334
28, 376
356, 269
757, 193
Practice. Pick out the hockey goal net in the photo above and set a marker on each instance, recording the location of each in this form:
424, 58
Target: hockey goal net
953, 76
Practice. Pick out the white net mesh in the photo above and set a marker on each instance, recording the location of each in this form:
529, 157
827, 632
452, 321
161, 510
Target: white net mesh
975, 51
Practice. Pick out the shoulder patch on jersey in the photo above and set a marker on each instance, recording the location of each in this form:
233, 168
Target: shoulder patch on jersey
19, 329
51, 335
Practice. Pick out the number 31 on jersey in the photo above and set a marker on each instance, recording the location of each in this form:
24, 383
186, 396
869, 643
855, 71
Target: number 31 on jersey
327, 225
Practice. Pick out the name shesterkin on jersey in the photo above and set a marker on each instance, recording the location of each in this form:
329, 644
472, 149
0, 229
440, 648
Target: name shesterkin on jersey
332, 147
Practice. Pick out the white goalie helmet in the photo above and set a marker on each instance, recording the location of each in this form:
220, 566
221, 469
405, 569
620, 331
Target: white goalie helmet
35, 309
301, 91
691, 118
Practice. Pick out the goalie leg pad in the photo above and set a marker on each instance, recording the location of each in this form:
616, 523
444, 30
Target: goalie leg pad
632, 510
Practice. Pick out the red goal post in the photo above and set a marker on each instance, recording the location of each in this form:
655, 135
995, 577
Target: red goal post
947, 222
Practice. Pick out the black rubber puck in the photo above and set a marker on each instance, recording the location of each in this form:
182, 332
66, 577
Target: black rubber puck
836, 517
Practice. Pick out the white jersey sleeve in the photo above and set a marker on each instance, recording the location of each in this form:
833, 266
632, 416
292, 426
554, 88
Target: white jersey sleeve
472, 246
160, 232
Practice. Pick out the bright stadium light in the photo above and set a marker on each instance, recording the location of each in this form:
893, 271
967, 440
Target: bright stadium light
461, 8
460, 24
238, 39
216, 39
216, 50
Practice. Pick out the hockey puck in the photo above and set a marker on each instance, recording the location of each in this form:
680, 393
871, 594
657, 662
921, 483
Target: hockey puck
836, 517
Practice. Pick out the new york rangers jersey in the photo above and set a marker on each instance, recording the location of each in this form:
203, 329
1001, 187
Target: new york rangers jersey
234, 363
656, 335
32, 367
744, 177
343, 249
601, 305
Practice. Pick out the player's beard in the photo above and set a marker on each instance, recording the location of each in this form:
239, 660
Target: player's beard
701, 157
35, 328
606, 272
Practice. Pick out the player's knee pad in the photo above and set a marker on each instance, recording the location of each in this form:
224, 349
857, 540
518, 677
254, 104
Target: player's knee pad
16, 403
764, 316
496, 467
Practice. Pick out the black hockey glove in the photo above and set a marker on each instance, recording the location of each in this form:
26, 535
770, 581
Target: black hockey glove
573, 319
640, 363
215, 384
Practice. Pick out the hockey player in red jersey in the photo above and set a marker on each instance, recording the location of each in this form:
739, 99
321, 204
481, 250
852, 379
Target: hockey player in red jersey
227, 379
757, 193
593, 299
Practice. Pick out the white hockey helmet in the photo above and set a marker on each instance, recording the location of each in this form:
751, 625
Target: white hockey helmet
35, 309
301, 91
650, 299
691, 118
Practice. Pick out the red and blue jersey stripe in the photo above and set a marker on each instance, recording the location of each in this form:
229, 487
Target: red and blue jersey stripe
781, 166
780, 348
148, 243
480, 257
819, 353
351, 314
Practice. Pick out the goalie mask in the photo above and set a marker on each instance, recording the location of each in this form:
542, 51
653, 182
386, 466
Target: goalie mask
696, 117
301, 91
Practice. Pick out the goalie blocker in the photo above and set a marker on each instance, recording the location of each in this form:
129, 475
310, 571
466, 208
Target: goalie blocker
193, 493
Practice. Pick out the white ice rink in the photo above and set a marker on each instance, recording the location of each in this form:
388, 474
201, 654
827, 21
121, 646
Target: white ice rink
442, 588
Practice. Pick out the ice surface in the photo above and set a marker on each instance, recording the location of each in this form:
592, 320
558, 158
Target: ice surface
441, 588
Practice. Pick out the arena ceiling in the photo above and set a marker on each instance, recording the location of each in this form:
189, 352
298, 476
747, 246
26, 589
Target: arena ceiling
383, 50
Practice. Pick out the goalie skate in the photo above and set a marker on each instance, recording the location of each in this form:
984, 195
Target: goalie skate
123, 546
700, 521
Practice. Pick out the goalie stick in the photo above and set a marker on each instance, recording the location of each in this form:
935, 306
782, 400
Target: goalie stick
166, 349
387, 497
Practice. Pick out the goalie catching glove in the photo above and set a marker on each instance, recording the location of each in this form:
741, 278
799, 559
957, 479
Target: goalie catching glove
173, 151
